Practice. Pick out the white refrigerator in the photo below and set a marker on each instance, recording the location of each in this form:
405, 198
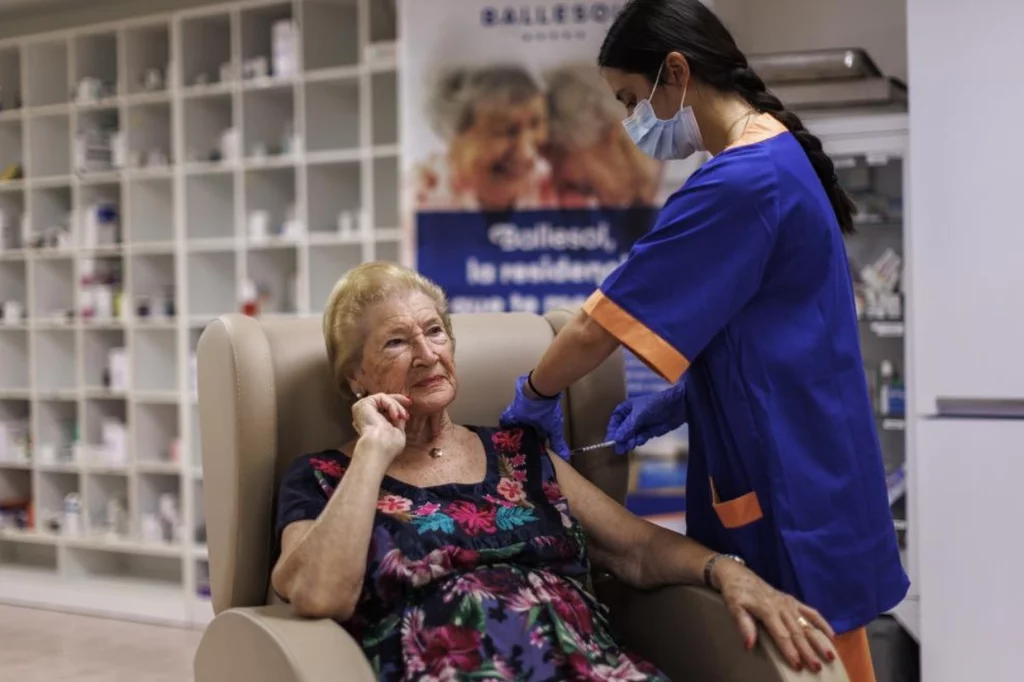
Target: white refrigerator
966, 205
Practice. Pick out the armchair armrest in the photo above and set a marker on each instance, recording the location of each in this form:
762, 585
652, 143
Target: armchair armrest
690, 635
270, 644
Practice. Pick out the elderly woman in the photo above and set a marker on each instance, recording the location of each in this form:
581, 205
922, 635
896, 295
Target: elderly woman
594, 162
494, 120
460, 552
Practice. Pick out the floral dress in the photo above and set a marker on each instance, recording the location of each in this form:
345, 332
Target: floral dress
484, 581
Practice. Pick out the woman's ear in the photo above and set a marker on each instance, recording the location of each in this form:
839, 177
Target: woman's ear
677, 69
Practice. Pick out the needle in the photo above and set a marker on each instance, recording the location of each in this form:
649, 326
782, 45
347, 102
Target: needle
591, 448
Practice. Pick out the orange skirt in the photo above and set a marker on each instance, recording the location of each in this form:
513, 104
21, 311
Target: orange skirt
855, 654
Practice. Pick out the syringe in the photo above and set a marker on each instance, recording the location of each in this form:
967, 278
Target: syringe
591, 448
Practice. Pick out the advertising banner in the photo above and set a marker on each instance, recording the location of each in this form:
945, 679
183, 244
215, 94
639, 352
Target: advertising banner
522, 190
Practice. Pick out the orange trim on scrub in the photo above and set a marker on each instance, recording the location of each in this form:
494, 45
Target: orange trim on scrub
760, 128
652, 349
737, 513
855, 654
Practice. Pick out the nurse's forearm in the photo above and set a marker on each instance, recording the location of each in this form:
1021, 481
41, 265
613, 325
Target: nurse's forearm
577, 350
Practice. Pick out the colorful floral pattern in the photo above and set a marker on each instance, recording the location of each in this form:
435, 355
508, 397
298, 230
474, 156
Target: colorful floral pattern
479, 582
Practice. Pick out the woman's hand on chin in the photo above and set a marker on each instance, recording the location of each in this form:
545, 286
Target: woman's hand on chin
801, 633
380, 419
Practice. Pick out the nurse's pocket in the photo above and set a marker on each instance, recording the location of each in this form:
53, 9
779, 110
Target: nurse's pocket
737, 512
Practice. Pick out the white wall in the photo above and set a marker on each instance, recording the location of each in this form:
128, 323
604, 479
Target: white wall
879, 26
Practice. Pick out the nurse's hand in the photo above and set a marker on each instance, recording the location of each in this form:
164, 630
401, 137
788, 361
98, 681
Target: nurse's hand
801, 633
636, 421
543, 414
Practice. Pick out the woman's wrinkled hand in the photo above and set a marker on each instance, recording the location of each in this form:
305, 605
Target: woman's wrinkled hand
381, 417
801, 634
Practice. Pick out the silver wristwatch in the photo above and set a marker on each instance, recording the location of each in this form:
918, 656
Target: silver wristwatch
711, 564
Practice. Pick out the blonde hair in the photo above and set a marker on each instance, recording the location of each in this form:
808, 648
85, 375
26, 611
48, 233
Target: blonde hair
345, 312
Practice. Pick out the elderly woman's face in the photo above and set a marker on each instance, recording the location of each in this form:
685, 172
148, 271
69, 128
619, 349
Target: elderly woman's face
606, 173
408, 351
500, 150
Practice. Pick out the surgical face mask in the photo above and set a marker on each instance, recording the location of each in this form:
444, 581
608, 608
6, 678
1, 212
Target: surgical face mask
676, 138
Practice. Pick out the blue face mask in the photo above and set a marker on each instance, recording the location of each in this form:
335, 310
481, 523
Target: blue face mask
676, 138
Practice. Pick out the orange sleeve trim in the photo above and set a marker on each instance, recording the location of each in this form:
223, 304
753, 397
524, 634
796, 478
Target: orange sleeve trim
739, 512
652, 349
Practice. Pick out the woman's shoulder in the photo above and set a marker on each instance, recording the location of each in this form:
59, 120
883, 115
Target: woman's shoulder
326, 463
518, 439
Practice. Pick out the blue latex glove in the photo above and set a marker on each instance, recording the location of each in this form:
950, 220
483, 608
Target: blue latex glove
636, 421
543, 415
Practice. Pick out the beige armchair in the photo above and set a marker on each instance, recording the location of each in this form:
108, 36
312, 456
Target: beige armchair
266, 396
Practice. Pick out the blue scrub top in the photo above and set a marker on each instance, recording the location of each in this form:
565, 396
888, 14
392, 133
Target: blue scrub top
744, 284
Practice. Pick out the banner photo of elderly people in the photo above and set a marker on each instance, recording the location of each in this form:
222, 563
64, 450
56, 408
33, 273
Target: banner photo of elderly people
522, 189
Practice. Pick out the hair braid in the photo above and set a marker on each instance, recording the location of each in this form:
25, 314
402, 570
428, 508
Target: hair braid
748, 84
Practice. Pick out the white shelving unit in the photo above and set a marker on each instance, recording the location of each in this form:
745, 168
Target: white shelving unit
154, 172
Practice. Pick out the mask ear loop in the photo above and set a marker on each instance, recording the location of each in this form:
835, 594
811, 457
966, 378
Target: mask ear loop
657, 79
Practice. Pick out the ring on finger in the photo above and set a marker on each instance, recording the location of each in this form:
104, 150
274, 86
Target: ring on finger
803, 622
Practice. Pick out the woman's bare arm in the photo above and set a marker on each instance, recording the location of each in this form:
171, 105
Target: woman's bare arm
636, 551
322, 564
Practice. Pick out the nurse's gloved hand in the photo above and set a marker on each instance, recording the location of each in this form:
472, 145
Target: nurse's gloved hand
636, 421
543, 414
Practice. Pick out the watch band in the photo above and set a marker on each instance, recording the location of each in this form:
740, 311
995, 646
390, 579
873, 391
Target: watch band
710, 565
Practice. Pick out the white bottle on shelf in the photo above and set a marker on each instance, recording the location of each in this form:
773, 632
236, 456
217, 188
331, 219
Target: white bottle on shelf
885, 381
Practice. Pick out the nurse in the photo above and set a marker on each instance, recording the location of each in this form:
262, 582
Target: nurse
743, 285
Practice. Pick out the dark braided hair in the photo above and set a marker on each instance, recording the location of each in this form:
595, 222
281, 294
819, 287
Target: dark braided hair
646, 31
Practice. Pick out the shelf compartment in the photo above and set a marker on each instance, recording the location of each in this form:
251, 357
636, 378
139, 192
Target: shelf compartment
15, 432
330, 34
383, 21
34, 558
10, 79
106, 508
207, 121
98, 144
96, 62
151, 488
56, 366
14, 349
151, 211
15, 486
334, 189
326, 265
53, 289
212, 279
56, 432
263, 40
274, 272
129, 571
332, 115
198, 535
49, 153
156, 434
51, 218
155, 360
270, 195
153, 288
103, 352
106, 431
149, 135
12, 212
268, 122
148, 57
53, 487
384, 105
12, 145
388, 250
385, 193
206, 47
99, 216
210, 206
13, 287
46, 71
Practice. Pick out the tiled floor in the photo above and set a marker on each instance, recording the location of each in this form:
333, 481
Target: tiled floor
42, 646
